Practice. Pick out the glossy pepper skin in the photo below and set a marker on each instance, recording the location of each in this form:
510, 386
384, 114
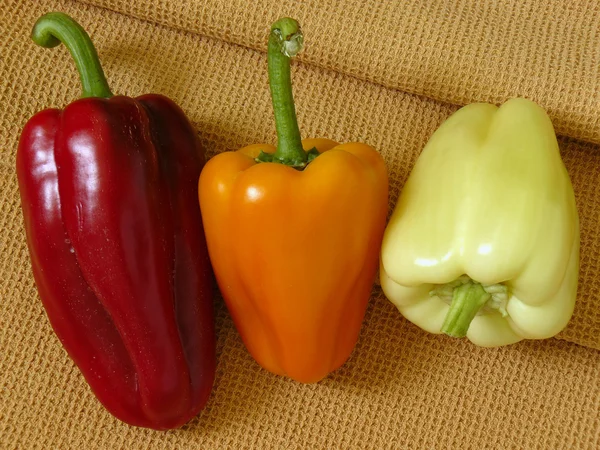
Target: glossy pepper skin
295, 252
108, 191
484, 239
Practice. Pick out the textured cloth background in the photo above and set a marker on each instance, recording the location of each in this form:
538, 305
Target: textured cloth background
384, 74
456, 51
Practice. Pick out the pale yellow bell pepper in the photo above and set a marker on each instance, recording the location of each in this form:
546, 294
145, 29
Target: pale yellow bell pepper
484, 239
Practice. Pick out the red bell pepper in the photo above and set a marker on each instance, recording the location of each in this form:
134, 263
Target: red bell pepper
108, 191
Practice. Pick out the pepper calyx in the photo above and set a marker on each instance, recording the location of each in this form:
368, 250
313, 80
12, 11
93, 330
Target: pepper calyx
468, 298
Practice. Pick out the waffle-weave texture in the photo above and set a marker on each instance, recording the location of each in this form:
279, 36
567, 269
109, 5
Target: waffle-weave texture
401, 388
455, 51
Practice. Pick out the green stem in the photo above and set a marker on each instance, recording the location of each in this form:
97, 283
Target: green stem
53, 28
285, 41
467, 299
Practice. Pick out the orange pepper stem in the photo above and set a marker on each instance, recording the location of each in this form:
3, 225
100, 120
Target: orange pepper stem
285, 42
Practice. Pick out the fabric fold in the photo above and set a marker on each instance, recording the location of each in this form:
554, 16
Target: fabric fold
453, 51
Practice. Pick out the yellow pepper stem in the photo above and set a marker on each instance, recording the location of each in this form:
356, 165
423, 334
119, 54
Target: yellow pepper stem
467, 300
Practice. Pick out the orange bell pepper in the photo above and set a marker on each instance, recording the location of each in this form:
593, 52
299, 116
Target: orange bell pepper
294, 233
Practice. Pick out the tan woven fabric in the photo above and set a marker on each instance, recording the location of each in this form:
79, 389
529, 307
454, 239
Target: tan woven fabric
456, 51
402, 388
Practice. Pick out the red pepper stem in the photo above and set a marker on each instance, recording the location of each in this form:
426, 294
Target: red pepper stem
53, 28
467, 300
285, 41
